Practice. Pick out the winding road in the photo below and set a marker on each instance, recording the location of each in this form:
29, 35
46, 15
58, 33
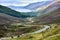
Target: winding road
38, 31
41, 30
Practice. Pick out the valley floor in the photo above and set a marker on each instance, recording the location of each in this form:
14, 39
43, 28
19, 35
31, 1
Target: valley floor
53, 33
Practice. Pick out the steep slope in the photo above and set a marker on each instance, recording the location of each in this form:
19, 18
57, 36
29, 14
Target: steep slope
11, 12
49, 9
6, 19
8, 15
52, 17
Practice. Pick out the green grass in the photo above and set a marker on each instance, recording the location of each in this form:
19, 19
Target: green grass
52, 33
57, 21
9, 30
53, 37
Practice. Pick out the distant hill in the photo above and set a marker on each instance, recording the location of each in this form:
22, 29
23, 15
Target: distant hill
34, 6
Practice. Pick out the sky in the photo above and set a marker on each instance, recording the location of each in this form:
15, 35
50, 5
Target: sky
19, 2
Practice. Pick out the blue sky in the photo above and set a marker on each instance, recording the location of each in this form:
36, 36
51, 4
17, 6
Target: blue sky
19, 3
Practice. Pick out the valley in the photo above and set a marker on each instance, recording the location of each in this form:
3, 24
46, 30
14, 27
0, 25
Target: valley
42, 23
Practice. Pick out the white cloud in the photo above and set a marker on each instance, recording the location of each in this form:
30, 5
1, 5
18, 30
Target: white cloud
14, 4
19, 2
23, 10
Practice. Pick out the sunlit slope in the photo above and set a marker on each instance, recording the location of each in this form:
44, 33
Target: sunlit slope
52, 17
44, 7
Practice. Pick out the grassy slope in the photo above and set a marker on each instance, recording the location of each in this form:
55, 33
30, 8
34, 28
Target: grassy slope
54, 37
11, 12
52, 33
52, 17
8, 15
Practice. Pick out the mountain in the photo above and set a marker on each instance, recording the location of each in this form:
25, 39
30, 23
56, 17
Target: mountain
49, 9
11, 12
51, 17
20, 8
34, 6
8, 15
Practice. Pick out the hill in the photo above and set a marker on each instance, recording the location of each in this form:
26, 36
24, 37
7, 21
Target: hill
52, 17
49, 9
8, 15
11, 12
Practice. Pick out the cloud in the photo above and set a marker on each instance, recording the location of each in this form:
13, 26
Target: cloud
19, 2
13, 4
23, 10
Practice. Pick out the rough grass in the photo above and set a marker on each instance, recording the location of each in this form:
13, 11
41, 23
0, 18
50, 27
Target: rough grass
53, 37
53, 33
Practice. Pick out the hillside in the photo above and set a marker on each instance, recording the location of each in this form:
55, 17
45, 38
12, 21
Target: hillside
8, 15
11, 12
48, 9
52, 17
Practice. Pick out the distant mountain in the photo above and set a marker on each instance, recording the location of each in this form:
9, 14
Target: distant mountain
34, 6
20, 8
14, 7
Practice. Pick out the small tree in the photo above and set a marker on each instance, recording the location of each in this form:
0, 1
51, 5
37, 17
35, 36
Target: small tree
11, 36
18, 36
